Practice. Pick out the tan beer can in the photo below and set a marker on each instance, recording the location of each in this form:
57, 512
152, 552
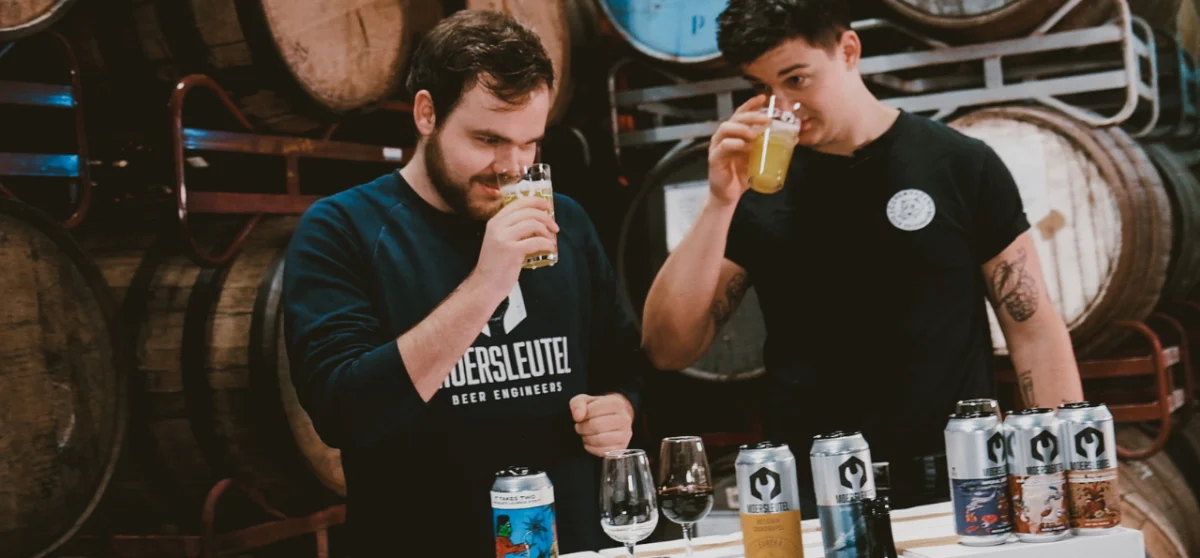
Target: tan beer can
769, 501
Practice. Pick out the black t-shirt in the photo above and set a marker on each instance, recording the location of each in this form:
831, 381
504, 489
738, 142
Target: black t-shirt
367, 265
867, 270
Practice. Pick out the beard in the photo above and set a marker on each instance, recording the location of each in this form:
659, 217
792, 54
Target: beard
455, 194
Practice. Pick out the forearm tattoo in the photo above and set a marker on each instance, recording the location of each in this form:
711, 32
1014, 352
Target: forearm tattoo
735, 289
1025, 379
1014, 289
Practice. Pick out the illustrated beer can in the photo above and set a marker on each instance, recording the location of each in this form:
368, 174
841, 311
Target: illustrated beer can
975, 456
1036, 478
523, 517
843, 477
1093, 491
769, 501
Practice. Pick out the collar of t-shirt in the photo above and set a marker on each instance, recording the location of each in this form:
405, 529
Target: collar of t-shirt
873, 151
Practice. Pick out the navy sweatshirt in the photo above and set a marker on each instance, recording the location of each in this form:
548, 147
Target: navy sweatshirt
368, 264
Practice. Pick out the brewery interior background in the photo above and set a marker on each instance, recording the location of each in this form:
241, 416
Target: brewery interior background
154, 156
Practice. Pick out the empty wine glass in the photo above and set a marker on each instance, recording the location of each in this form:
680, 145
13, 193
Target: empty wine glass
684, 487
628, 510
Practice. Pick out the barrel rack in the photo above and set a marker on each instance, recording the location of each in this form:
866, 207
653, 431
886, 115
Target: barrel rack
1005, 75
211, 544
1170, 388
70, 166
255, 206
186, 140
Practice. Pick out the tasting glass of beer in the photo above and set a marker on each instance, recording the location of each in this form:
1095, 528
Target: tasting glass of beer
535, 182
771, 152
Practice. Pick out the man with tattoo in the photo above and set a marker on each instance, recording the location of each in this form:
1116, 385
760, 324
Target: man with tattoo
873, 266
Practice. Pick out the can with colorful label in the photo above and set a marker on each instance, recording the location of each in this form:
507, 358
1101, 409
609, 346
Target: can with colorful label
1036, 477
523, 513
975, 456
1093, 490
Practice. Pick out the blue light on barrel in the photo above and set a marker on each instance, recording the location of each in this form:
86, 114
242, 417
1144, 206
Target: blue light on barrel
683, 31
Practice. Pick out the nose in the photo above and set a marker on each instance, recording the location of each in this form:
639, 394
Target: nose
508, 162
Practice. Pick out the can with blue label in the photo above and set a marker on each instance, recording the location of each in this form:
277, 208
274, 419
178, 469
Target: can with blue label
975, 456
843, 478
523, 519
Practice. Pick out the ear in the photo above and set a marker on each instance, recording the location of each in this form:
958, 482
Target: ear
850, 49
424, 116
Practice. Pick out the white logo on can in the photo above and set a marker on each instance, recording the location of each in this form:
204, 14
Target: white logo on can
911, 210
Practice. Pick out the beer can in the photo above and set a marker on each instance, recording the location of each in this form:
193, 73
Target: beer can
843, 477
979, 405
1093, 493
523, 513
975, 456
769, 501
1036, 478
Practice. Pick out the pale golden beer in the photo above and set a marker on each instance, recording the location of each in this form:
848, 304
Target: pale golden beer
771, 152
536, 182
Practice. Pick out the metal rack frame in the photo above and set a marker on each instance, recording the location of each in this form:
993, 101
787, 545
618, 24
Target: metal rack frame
1172, 404
55, 165
256, 206
211, 544
945, 95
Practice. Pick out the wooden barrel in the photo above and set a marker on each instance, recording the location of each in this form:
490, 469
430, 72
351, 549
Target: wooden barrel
62, 384
1184, 191
20, 18
212, 399
1184, 449
1188, 23
661, 212
555, 22
676, 31
1100, 214
1172, 524
290, 66
986, 20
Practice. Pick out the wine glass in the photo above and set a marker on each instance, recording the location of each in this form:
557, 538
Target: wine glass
628, 511
684, 489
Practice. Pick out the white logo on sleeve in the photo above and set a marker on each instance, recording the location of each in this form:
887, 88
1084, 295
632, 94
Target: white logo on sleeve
911, 210
508, 315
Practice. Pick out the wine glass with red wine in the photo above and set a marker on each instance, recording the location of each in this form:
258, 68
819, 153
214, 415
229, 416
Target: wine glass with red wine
685, 485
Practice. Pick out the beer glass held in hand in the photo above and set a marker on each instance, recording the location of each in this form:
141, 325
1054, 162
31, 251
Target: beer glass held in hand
536, 182
771, 152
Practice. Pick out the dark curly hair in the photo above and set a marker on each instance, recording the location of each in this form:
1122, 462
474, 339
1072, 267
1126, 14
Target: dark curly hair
485, 47
748, 29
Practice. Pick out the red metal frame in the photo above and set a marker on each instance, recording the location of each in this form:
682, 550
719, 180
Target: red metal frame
1157, 361
39, 94
211, 544
256, 205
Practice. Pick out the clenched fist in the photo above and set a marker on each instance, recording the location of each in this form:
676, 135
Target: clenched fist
605, 422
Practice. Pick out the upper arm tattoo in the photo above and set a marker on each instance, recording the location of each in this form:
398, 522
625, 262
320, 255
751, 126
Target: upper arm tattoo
735, 290
1014, 289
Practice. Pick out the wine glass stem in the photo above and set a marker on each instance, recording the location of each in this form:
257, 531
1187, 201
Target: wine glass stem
687, 538
629, 549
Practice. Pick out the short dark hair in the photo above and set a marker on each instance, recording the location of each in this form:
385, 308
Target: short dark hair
748, 29
474, 46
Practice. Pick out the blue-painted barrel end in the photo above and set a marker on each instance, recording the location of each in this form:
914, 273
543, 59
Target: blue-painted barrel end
682, 31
